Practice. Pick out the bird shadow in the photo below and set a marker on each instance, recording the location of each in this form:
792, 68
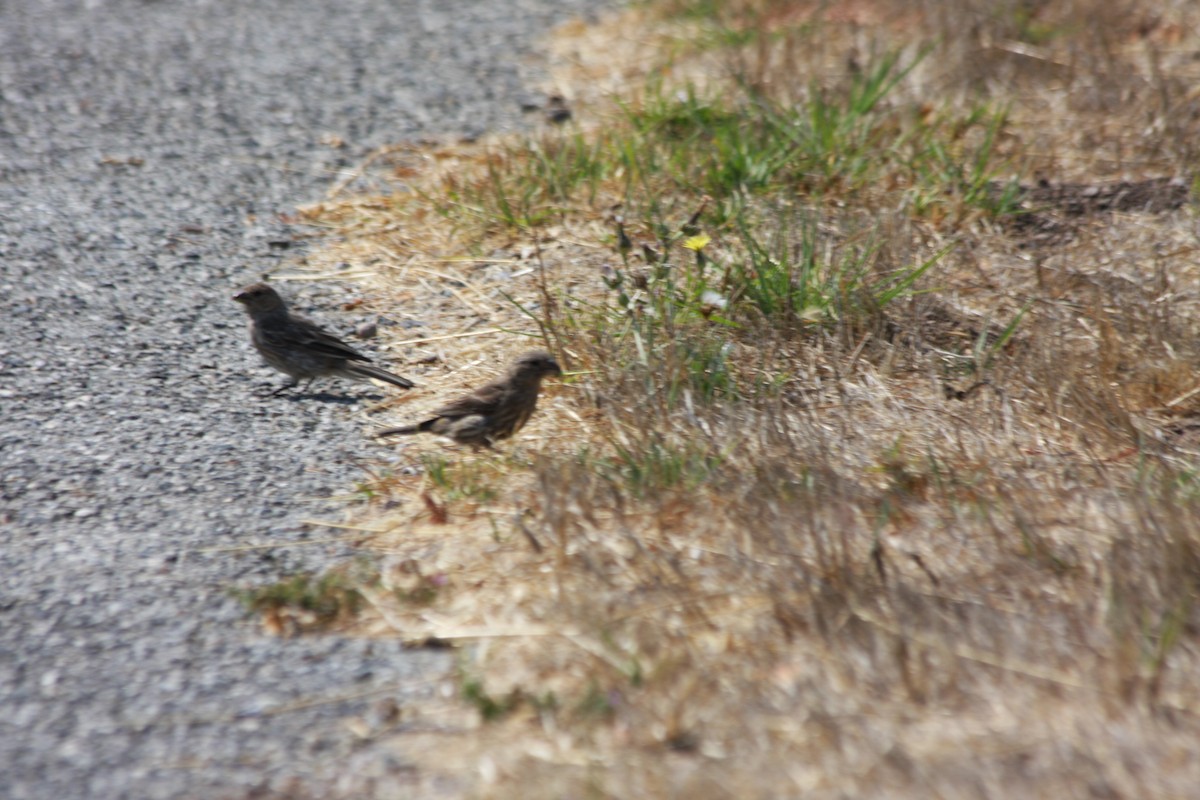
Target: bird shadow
322, 396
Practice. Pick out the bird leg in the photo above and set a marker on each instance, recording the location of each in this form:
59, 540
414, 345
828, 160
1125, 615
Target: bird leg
292, 384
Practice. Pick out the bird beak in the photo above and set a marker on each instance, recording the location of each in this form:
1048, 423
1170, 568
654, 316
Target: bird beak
240, 297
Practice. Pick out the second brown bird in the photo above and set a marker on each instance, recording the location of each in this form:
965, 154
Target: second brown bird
495, 410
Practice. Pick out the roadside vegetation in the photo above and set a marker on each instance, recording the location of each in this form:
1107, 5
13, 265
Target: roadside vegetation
874, 470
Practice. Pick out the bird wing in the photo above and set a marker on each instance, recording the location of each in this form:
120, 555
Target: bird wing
484, 400
313, 336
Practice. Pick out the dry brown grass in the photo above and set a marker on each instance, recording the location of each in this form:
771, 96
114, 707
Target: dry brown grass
888, 551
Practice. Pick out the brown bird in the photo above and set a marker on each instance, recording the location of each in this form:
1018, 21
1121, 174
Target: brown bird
299, 347
495, 410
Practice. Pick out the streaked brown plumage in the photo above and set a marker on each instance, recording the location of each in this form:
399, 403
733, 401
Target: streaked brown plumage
300, 348
495, 410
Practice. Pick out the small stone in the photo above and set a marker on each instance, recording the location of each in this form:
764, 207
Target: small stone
557, 110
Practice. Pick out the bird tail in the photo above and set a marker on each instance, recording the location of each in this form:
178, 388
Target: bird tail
371, 371
406, 430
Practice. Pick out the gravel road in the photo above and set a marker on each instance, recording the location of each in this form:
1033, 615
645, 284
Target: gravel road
147, 149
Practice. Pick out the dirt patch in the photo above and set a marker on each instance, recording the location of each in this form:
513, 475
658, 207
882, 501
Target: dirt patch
1049, 214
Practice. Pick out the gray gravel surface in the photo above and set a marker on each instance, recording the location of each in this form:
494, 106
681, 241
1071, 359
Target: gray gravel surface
147, 149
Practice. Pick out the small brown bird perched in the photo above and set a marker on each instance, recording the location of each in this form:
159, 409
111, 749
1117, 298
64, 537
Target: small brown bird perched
495, 410
300, 348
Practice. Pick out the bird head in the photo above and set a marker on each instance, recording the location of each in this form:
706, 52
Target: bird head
536, 364
258, 297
